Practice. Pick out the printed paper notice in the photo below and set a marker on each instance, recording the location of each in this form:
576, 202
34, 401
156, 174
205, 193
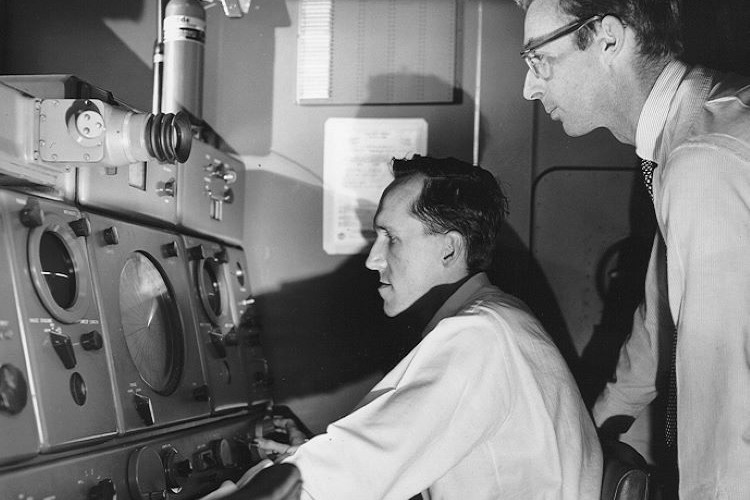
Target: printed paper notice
356, 168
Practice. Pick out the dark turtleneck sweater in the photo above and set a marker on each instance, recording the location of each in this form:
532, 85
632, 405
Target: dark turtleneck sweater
407, 328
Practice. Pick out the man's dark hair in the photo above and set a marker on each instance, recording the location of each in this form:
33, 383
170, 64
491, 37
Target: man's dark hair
656, 22
461, 197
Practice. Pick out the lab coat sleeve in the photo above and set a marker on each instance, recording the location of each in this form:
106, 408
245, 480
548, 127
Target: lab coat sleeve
447, 398
634, 384
706, 213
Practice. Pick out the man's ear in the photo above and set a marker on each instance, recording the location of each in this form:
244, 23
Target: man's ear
454, 249
611, 36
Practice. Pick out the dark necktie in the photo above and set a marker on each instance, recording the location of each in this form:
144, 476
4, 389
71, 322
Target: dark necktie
670, 424
647, 168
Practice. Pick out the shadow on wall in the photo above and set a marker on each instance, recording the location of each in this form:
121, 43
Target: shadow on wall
325, 332
239, 74
72, 38
394, 95
517, 272
619, 278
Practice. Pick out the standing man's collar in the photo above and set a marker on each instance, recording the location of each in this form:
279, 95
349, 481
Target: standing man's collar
655, 110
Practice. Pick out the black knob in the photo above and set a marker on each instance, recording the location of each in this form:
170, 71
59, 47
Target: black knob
168, 188
104, 490
146, 479
183, 468
64, 349
110, 236
217, 340
231, 338
222, 257
13, 389
170, 249
80, 227
144, 408
200, 393
92, 341
32, 215
222, 453
177, 469
198, 252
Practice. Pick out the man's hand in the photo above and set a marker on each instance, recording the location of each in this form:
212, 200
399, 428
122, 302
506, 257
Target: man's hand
278, 482
264, 481
277, 450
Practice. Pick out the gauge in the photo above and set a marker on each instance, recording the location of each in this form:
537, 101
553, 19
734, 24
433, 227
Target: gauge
212, 288
151, 323
58, 269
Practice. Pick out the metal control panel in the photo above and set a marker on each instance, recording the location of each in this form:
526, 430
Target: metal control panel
186, 464
130, 356
245, 314
236, 370
144, 294
210, 194
19, 439
59, 320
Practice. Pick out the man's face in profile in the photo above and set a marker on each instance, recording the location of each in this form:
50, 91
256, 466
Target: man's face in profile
408, 259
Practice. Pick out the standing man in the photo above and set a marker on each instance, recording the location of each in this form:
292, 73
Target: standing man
484, 407
614, 64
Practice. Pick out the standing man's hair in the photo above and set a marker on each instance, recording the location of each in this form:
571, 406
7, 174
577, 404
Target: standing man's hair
656, 23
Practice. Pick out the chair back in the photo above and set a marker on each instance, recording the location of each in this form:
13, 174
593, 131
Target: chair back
626, 473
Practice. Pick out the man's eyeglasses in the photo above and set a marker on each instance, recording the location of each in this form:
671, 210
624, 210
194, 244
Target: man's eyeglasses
537, 63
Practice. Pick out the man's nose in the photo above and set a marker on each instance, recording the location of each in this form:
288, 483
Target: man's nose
375, 261
532, 86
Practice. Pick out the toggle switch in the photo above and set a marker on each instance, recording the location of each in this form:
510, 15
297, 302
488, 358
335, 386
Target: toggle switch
64, 349
144, 408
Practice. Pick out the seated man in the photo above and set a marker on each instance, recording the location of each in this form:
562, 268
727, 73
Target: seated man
484, 407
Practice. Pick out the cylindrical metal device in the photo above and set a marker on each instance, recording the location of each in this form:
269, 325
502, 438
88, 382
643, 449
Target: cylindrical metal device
184, 47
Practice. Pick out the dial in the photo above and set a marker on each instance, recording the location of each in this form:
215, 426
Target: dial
151, 324
212, 289
58, 269
210, 286
146, 475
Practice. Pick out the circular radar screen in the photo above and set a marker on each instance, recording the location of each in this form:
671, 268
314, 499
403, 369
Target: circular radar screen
150, 323
210, 287
58, 269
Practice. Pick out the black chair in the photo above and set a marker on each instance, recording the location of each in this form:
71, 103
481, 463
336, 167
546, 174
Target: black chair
626, 473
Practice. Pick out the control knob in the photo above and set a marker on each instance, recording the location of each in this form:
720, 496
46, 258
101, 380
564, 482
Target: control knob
198, 252
222, 453
32, 214
177, 469
110, 235
92, 341
13, 389
80, 227
146, 475
201, 393
170, 250
104, 490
